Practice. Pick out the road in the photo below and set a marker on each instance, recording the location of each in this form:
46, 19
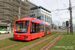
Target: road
5, 36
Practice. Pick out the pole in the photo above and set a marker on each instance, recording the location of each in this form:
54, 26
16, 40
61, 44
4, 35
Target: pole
70, 9
19, 13
19, 10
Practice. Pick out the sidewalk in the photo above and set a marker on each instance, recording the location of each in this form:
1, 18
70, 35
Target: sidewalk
5, 36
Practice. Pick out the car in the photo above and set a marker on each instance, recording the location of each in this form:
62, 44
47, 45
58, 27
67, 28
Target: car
4, 31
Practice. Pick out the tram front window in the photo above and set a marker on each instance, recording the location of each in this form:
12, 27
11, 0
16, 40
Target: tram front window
21, 26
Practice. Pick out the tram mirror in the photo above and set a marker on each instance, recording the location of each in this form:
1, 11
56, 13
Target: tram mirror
18, 30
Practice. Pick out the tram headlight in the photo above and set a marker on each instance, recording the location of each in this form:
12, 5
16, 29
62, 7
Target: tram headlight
25, 37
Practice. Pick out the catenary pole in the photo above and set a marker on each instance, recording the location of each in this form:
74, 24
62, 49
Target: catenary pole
70, 9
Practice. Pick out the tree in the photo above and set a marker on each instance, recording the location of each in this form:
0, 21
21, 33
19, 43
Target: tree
15, 18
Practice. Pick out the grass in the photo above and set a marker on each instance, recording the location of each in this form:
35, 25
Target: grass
8, 42
39, 46
66, 42
21, 43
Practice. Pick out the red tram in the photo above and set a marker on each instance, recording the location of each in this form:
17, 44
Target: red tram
30, 28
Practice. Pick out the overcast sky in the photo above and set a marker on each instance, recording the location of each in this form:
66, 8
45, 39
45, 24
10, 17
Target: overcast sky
57, 16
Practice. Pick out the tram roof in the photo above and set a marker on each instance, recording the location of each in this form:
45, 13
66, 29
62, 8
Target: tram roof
28, 18
33, 19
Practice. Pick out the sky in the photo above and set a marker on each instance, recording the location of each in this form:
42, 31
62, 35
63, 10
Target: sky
53, 5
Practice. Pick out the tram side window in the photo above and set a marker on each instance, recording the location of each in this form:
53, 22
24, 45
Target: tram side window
36, 27
41, 27
47, 28
32, 30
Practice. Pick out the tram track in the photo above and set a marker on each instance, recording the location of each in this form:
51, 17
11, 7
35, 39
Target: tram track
46, 47
2, 43
34, 44
8, 46
3, 48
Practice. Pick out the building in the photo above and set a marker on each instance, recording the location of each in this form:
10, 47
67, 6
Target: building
5, 26
41, 13
12, 8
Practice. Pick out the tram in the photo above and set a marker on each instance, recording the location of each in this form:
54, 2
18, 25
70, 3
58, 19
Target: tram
27, 29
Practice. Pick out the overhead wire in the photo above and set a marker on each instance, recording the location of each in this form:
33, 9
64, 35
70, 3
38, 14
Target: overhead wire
63, 3
52, 9
57, 6
61, 9
47, 4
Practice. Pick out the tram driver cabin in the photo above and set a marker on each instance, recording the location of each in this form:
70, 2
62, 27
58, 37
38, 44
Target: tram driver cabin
27, 29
